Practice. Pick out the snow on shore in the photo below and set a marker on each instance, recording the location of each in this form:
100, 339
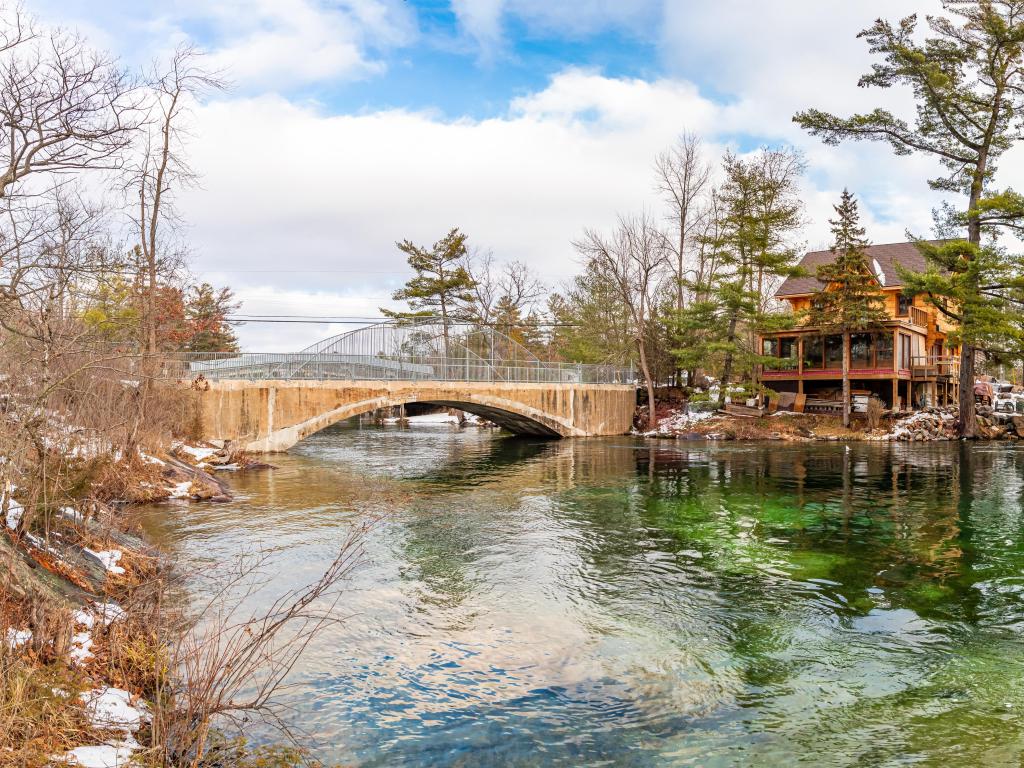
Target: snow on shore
14, 509
435, 418
108, 559
16, 638
110, 709
678, 422
199, 453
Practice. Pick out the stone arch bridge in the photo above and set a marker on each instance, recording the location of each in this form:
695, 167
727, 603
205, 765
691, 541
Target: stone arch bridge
269, 402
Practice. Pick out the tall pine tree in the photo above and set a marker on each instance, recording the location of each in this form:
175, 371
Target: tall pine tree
967, 78
442, 286
850, 301
760, 212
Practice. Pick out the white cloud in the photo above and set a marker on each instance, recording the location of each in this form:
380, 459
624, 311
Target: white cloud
271, 44
481, 20
287, 188
261, 45
300, 210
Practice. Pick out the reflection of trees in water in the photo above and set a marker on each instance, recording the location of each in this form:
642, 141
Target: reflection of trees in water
904, 519
762, 520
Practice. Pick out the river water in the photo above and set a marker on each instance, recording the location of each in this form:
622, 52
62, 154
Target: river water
621, 602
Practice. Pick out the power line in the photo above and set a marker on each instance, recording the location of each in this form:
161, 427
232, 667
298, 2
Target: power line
362, 320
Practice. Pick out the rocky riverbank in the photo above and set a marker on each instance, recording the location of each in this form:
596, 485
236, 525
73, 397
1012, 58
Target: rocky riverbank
931, 424
82, 630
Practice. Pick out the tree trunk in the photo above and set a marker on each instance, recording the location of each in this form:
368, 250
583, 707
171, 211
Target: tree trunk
846, 380
968, 427
727, 367
652, 418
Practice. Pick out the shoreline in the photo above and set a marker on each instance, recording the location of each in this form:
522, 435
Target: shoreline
927, 425
85, 632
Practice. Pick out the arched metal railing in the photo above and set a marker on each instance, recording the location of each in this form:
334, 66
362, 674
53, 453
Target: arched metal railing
424, 350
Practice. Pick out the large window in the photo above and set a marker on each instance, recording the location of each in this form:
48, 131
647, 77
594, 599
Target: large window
833, 352
883, 350
814, 350
771, 348
787, 348
860, 350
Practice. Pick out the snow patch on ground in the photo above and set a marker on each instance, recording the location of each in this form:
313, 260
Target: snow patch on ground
152, 459
199, 453
70, 513
677, 422
14, 509
16, 638
81, 645
117, 754
112, 708
109, 558
109, 612
181, 490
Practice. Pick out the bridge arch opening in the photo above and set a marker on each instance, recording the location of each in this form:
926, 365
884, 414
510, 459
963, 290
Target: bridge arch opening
508, 414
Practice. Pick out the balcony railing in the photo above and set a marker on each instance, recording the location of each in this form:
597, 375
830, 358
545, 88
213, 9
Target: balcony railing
918, 317
934, 366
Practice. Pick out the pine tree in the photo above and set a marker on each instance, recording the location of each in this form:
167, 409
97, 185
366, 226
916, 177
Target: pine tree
442, 286
759, 212
849, 302
110, 311
206, 312
968, 81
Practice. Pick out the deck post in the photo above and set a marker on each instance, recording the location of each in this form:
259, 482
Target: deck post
895, 392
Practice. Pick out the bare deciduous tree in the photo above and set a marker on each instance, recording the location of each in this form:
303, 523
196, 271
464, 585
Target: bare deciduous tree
160, 168
226, 666
682, 178
634, 259
64, 106
511, 284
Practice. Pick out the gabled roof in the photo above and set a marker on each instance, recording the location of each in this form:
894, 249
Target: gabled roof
879, 257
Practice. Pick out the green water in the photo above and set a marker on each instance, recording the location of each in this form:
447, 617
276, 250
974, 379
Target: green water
618, 602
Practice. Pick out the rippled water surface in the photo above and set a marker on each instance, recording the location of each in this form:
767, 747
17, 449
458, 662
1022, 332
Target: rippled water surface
616, 602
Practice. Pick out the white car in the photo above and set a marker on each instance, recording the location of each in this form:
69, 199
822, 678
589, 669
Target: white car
1005, 402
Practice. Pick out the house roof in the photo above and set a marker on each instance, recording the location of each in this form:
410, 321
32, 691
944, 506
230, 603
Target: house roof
879, 257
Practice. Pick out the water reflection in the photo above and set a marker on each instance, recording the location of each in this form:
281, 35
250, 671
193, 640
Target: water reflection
626, 603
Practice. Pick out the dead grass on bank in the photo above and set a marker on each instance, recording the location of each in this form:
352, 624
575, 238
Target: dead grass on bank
39, 714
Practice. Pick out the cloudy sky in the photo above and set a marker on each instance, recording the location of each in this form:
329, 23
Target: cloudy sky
351, 124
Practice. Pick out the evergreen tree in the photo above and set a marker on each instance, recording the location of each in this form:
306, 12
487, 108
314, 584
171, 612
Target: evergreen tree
590, 321
206, 311
442, 287
111, 312
849, 302
759, 212
968, 81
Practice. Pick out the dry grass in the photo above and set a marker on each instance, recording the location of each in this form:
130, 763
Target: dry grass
39, 716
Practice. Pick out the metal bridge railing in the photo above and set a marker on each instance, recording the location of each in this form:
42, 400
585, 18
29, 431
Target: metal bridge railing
321, 366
